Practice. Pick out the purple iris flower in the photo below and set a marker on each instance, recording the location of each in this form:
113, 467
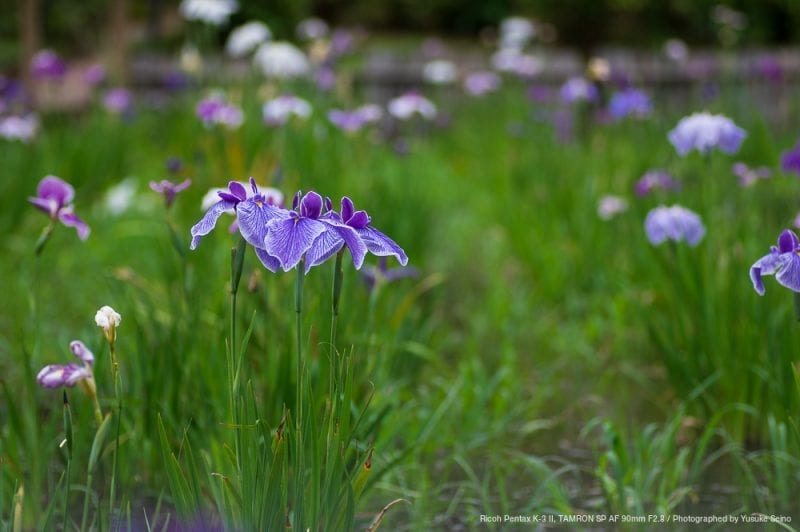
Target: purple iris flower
578, 89
352, 121
54, 197
305, 230
46, 64
169, 189
790, 160
655, 180
118, 100
674, 223
375, 241
704, 131
783, 261
252, 214
375, 275
630, 102
748, 176
94, 75
57, 375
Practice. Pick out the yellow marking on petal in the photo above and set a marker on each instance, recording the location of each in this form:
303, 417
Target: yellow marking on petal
260, 204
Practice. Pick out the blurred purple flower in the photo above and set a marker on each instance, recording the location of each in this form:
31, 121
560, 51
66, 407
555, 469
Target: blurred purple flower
790, 160
214, 110
768, 67
94, 75
782, 260
21, 128
748, 176
342, 42
540, 93
312, 29
46, 64
674, 223
54, 197
325, 77
704, 131
57, 375
118, 100
655, 180
174, 165
352, 121
630, 102
169, 190
375, 276
253, 212
578, 89
481, 83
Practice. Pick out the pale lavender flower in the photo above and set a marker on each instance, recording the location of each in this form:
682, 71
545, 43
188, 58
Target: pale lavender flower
578, 89
676, 50
516, 32
54, 197
674, 223
481, 83
630, 102
748, 176
704, 131
412, 103
514, 61
46, 64
325, 77
609, 206
94, 75
22, 128
783, 261
655, 180
790, 160
281, 60
213, 12
375, 276
58, 375
118, 100
278, 111
169, 190
352, 121
796, 222
246, 38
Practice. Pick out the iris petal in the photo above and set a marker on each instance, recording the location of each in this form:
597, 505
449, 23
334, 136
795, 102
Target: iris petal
381, 245
209, 221
253, 218
288, 239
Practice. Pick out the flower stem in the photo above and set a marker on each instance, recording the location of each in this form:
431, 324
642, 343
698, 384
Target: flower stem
44, 237
68, 436
796, 296
118, 422
299, 465
237, 266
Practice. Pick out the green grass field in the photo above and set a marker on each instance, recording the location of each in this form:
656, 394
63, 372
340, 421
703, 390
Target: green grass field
543, 362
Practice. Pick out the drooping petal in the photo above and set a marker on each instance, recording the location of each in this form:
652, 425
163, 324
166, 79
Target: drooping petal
789, 274
49, 206
70, 219
80, 350
288, 239
331, 241
347, 208
381, 245
787, 241
52, 187
253, 217
766, 265
271, 263
209, 220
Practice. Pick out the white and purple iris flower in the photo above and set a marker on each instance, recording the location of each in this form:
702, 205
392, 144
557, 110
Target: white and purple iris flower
54, 197
57, 375
783, 261
675, 223
310, 230
352, 121
704, 132
169, 190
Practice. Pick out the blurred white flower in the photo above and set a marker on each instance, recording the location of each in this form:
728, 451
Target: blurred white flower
119, 198
406, 106
214, 12
277, 111
516, 32
513, 61
312, 29
19, 127
676, 50
281, 60
609, 206
439, 72
246, 38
